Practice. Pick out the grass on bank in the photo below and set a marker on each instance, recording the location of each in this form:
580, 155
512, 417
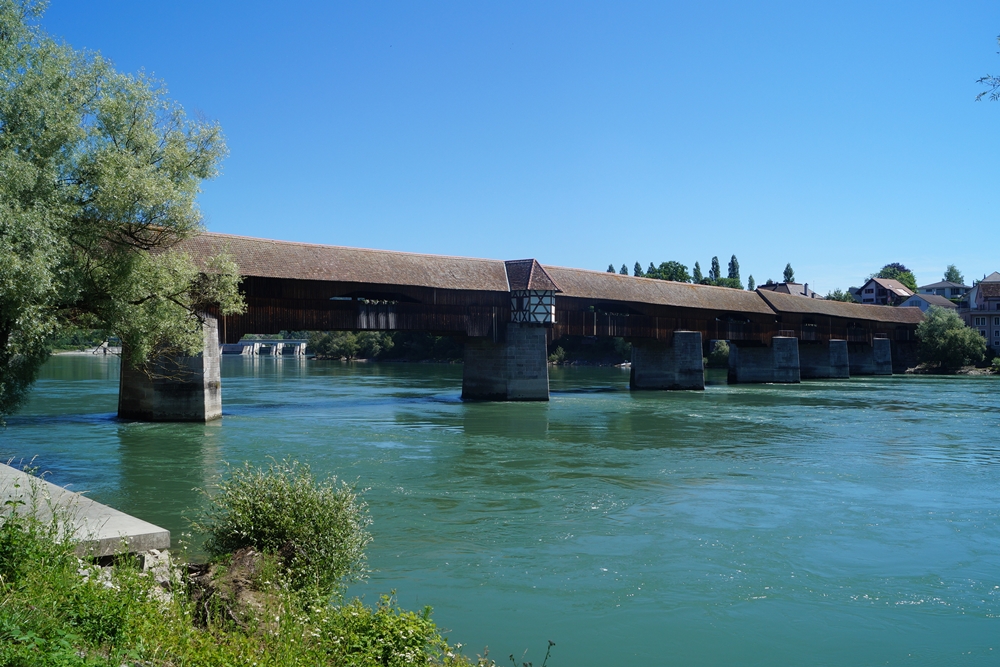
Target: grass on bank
265, 604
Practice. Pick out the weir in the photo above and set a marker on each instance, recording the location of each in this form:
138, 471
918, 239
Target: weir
678, 365
175, 388
824, 360
778, 362
874, 359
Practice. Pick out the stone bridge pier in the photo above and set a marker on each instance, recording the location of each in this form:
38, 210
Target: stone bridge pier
512, 368
824, 359
873, 359
678, 365
180, 389
777, 363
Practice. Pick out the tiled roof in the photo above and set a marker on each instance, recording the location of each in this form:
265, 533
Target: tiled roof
796, 289
931, 299
941, 284
990, 290
893, 286
528, 274
307, 261
603, 286
786, 303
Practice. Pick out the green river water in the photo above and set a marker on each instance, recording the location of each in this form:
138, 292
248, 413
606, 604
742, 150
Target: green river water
829, 523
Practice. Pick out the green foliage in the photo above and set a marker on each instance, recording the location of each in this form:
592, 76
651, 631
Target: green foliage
952, 274
319, 528
100, 175
558, 355
995, 366
637, 270
898, 272
385, 635
611, 268
751, 285
674, 271
623, 271
696, 276
840, 295
945, 340
789, 273
719, 356
734, 270
57, 611
715, 272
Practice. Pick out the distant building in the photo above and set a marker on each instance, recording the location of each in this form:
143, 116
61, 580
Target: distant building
945, 288
884, 292
925, 301
983, 313
795, 289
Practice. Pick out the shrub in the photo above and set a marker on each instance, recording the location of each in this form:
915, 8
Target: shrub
719, 356
995, 366
558, 355
318, 528
945, 340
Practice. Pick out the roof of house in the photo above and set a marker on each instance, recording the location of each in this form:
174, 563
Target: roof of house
856, 311
893, 286
930, 299
942, 284
992, 278
528, 274
601, 285
309, 261
990, 290
797, 289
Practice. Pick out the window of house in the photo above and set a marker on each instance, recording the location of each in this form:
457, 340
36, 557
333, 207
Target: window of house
983, 332
996, 321
870, 290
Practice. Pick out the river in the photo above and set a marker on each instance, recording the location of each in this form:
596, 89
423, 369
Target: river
840, 522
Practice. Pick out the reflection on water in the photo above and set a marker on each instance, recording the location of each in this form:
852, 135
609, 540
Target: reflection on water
839, 522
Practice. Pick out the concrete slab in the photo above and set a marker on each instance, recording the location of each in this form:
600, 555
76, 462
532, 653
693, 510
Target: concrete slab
99, 529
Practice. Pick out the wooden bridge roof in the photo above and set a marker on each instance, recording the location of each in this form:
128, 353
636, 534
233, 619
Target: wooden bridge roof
308, 261
265, 258
605, 286
789, 303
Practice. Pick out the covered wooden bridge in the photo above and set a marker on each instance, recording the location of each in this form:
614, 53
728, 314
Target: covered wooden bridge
508, 311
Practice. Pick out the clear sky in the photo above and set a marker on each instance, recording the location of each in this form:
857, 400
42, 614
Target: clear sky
836, 136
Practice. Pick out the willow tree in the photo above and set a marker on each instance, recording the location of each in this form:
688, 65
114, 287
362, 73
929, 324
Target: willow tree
100, 171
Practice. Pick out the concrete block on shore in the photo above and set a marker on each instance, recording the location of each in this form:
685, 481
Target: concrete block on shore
98, 529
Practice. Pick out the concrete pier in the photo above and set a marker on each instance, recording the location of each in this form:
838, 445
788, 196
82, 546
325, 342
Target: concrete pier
661, 366
777, 363
512, 369
176, 388
824, 360
98, 529
874, 359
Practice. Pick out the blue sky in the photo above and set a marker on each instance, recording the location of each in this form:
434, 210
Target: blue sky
838, 137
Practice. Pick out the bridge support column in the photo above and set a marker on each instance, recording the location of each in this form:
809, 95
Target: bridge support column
660, 366
512, 369
777, 363
824, 360
874, 359
181, 389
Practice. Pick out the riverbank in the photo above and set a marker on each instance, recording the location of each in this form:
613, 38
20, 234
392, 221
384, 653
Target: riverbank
62, 604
